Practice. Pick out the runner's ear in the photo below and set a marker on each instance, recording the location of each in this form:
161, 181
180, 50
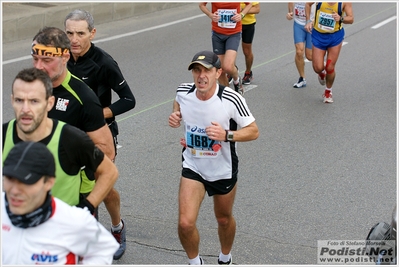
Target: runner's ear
93, 34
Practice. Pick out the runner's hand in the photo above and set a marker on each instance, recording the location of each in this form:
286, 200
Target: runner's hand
175, 119
83, 202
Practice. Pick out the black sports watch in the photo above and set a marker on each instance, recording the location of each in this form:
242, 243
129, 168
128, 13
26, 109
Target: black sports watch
342, 19
229, 135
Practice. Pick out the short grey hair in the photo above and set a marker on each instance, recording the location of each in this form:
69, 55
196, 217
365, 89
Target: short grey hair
79, 14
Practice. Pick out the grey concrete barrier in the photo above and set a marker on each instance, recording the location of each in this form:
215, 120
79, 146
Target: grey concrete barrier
22, 20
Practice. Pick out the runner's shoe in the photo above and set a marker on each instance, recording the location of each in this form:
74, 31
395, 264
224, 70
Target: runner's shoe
230, 262
247, 78
229, 78
301, 83
327, 97
120, 237
322, 77
238, 87
201, 261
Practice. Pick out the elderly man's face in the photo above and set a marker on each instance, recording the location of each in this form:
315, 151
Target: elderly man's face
80, 36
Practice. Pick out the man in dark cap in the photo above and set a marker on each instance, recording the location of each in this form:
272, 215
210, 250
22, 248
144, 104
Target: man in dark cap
211, 114
38, 228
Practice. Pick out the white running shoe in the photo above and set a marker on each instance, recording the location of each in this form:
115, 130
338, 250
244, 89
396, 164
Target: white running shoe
238, 87
301, 83
201, 261
327, 97
230, 262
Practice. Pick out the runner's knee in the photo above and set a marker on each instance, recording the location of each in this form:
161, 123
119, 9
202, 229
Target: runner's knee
229, 69
186, 225
224, 220
329, 69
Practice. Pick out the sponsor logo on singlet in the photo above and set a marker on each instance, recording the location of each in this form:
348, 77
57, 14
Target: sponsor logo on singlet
62, 104
44, 257
6, 227
196, 129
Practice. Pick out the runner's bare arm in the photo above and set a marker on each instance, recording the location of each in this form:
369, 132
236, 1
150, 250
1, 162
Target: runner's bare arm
102, 138
248, 133
106, 176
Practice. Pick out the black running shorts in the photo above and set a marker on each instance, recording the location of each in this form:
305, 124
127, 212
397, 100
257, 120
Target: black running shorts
220, 187
248, 32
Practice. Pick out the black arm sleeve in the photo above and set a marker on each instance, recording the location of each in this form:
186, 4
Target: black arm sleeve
125, 103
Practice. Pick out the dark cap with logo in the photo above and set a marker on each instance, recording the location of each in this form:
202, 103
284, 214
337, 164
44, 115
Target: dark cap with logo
208, 59
28, 162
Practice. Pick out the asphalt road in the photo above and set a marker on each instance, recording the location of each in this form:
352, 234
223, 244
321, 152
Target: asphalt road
317, 172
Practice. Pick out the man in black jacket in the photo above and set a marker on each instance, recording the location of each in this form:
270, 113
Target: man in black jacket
102, 73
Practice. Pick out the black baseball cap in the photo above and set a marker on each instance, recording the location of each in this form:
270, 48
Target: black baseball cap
208, 59
28, 162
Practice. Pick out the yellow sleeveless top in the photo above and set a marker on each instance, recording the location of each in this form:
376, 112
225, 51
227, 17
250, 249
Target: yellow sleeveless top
324, 22
249, 18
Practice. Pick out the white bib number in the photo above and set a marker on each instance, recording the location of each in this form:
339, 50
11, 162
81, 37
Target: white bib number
200, 144
326, 22
225, 20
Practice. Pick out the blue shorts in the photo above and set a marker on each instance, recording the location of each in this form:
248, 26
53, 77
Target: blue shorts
302, 36
219, 187
221, 43
324, 41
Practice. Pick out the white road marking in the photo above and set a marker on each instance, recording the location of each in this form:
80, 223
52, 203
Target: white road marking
383, 22
249, 87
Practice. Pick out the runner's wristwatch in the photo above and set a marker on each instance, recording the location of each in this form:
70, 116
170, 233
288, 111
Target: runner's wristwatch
229, 135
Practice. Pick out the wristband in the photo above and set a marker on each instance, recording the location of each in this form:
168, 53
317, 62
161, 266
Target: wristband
308, 21
225, 138
83, 202
242, 15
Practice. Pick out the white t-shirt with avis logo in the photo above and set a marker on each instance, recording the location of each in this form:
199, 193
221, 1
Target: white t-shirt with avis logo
70, 232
